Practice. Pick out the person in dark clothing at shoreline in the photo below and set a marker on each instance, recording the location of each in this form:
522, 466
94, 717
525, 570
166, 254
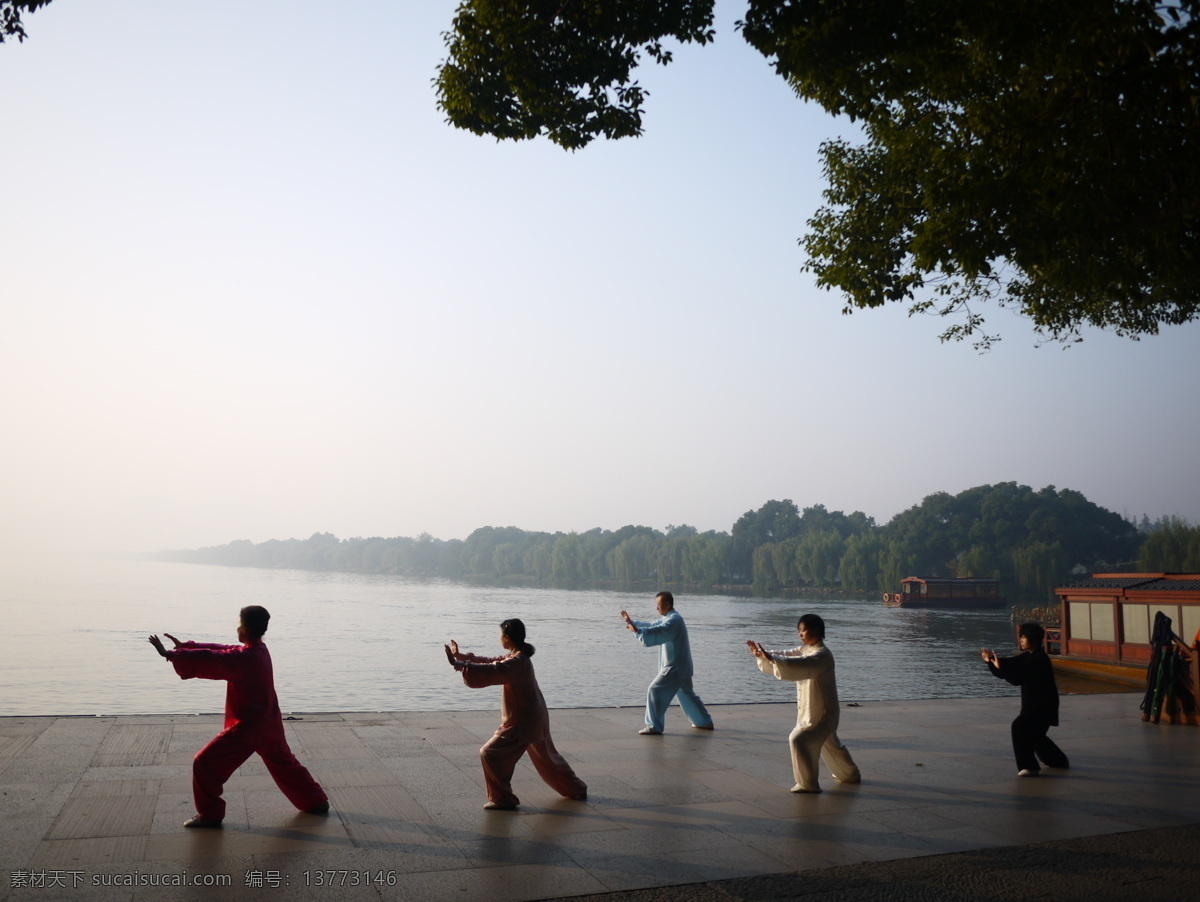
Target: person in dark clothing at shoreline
1033, 672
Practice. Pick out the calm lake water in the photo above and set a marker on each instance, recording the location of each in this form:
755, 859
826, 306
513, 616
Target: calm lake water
75, 642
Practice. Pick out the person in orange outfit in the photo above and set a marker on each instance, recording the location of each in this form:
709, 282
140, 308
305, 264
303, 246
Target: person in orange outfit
524, 720
252, 719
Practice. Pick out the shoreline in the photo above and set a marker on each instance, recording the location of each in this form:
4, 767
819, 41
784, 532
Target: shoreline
1077, 686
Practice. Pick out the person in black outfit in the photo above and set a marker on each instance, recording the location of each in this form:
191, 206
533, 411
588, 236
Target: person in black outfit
1032, 671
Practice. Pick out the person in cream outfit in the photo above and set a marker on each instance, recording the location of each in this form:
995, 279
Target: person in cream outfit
810, 665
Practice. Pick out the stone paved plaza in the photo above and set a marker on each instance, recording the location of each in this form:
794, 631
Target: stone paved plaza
88, 802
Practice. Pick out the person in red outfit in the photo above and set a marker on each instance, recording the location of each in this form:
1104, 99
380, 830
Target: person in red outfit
524, 720
252, 719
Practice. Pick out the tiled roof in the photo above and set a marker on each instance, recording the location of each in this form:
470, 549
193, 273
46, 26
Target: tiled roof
1140, 583
1121, 583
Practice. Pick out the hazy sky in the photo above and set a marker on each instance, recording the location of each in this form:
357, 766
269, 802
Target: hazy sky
253, 286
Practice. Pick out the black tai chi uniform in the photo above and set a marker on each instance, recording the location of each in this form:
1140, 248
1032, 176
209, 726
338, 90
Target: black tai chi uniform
1032, 671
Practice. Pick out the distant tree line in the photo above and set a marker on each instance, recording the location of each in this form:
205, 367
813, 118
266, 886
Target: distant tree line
1031, 541
1171, 545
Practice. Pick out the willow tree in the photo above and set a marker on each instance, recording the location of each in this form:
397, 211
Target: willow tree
1032, 154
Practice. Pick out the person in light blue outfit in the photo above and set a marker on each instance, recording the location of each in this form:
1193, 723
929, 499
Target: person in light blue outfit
675, 667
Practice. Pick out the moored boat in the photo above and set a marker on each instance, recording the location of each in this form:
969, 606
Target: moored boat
1107, 624
938, 592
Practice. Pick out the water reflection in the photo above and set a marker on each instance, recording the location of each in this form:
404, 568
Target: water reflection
346, 642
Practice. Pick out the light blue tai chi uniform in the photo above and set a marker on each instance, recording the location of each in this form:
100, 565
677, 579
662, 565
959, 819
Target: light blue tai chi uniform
675, 671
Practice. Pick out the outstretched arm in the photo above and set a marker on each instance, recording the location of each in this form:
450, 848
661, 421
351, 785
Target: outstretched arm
478, 674
1014, 670
658, 632
792, 664
193, 660
758, 651
465, 657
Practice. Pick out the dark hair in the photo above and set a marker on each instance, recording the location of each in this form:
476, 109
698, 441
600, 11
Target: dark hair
667, 597
813, 623
255, 618
1034, 633
515, 630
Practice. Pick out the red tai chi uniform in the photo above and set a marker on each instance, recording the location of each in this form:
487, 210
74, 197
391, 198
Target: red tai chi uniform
524, 726
252, 724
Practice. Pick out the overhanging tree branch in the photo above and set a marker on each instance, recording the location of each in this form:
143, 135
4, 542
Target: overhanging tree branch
11, 25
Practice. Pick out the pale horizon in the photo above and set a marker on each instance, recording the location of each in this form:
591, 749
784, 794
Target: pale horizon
256, 288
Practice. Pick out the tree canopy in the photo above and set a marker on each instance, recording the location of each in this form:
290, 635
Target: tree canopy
10, 17
520, 68
1172, 544
1031, 540
1000, 530
1037, 155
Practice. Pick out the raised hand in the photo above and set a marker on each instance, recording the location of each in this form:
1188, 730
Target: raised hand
158, 646
173, 639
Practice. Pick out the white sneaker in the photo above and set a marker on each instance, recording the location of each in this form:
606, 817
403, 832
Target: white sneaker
649, 731
1026, 772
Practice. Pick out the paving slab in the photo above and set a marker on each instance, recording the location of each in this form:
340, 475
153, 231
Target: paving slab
91, 808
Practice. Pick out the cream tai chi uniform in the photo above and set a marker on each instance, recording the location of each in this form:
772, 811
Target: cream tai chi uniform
817, 714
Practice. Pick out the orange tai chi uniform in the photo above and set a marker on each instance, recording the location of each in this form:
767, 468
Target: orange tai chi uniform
252, 724
524, 726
